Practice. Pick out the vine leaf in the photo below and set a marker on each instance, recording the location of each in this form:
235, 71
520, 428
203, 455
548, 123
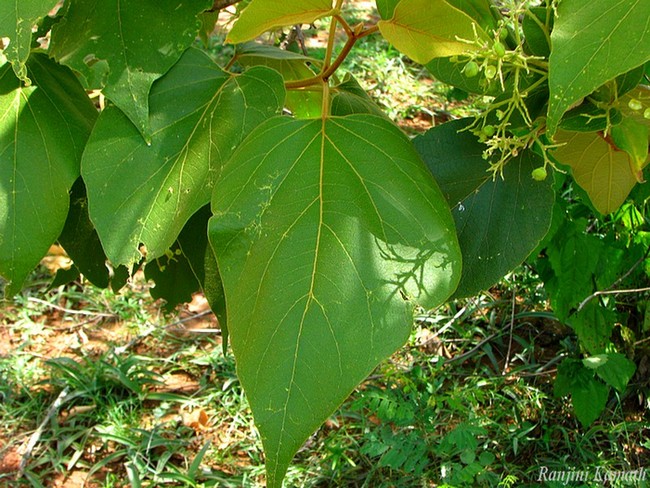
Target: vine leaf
263, 15
105, 42
43, 129
16, 22
135, 187
592, 44
320, 231
428, 29
500, 221
602, 170
617, 371
588, 395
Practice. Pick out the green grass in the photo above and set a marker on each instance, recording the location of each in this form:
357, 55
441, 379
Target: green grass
444, 412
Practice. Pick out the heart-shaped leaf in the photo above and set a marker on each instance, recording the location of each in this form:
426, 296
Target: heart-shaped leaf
325, 239
143, 193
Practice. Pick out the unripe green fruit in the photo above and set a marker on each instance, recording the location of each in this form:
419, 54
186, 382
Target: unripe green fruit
503, 34
499, 49
634, 104
490, 72
646, 113
470, 70
539, 174
488, 130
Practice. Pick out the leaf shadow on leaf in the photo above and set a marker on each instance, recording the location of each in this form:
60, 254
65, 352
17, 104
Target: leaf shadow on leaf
499, 221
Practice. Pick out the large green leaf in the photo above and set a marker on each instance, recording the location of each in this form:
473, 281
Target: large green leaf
262, 15
499, 220
482, 11
479, 10
428, 29
601, 169
327, 232
16, 22
594, 42
537, 23
144, 193
123, 47
43, 129
633, 138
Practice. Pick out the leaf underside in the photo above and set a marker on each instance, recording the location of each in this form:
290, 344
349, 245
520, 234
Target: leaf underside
428, 29
603, 171
320, 233
263, 15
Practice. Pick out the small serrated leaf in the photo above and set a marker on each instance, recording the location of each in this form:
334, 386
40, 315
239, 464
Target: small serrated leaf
618, 372
589, 400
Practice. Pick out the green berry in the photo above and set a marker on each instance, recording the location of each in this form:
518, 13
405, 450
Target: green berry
634, 104
503, 34
488, 130
539, 174
499, 49
646, 113
490, 72
470, 70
